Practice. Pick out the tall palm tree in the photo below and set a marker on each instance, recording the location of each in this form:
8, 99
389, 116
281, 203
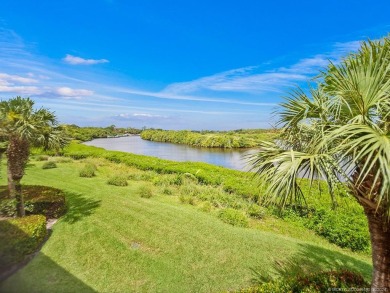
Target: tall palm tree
21, 127
341, 132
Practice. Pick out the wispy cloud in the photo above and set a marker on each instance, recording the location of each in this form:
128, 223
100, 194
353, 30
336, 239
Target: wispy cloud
69, 92
74, 60
17, 84
25, 90
4, 77
252, 80
173, 96
144, 116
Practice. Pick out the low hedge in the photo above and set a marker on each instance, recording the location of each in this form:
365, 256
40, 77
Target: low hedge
20, 237
318, 282
38, 199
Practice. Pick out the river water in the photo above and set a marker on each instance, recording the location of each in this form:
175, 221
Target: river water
232, 159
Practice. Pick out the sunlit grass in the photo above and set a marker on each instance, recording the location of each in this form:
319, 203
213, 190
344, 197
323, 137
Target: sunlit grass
114, 240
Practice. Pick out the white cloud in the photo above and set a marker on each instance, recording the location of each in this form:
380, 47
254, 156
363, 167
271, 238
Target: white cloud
147, 115
140, 116
16, 78
26, 90
74, 60
69, 92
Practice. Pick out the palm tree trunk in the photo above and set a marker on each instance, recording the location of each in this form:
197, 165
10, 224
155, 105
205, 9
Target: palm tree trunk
19, 199
17, 154
380, 244
11, 184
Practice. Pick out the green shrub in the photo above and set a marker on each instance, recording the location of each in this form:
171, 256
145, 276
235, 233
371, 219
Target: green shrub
233, 217
8, 207
42, 158
167, 191
336, 226
88, 170
117, 180
49, 165
178, 180
206, 207
143, 176
184, 198
257, 212
20, 237
145, 191
190, 177
63, 160
38, 199
317, 282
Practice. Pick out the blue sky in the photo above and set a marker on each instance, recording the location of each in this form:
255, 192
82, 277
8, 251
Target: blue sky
174, 64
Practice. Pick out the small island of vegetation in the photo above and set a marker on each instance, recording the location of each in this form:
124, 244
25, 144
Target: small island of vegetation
241, 138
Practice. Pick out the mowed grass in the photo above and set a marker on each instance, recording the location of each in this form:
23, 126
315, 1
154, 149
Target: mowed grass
114, 240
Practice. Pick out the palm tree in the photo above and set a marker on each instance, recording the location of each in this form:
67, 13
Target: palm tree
340, 131
21, 127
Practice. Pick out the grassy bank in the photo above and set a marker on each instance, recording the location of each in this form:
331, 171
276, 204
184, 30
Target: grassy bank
345, 226
116, 239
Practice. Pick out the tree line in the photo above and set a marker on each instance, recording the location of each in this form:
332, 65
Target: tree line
211, 139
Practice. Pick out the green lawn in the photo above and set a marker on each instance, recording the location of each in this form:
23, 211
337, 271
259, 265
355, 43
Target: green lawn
113, 240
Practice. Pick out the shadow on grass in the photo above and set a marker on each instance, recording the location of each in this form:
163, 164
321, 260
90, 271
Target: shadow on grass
43, 274
311, 259
78, 207
38, 273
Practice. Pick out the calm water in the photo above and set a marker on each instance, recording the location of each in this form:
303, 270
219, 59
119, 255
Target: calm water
233, 159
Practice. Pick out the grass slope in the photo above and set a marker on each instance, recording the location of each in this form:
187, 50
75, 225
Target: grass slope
113, 240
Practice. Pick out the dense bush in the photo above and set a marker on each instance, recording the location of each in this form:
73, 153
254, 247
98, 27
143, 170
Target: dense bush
336, 226
117, 180
318, 282
145, 191
49, 165
7, 207
20, 237
88, 170
233, 217
44, 200
257, 212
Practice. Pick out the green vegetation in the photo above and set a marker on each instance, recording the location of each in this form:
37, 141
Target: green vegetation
117, 180
211, 139
89, 133
166, 245
318, 282
345, 226
88, 170
20, 237
47, 201
344, 124
233, 217
145, 191
22, 126
49, 165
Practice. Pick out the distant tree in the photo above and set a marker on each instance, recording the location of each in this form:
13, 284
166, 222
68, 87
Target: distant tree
343, 125
21, 127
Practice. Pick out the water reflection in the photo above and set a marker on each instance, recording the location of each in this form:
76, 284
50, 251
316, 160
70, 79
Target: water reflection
232, 159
